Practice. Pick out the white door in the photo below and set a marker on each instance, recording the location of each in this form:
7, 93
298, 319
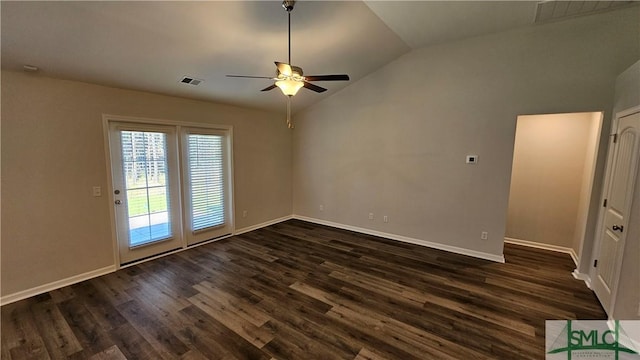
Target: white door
619, 192
146, 191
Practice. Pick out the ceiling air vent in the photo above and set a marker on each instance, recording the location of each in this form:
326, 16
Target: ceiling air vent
552, 10
191, 80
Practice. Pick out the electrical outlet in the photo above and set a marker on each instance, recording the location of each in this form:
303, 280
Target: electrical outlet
244, 214
370, 216
484, 235
97, 191
321, 207
385, 218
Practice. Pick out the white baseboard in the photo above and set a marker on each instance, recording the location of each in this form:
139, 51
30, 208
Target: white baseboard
261, 225
21, 295
449, 248
542, 246
576, 274
574, 256
580, 276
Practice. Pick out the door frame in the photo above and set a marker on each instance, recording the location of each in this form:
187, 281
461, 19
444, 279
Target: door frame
109, 118
585, 216
601, 213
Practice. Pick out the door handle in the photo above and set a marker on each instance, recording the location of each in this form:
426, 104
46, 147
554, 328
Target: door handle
118, 202
616, 227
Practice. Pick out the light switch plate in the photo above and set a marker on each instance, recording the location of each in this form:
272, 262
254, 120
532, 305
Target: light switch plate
472, 159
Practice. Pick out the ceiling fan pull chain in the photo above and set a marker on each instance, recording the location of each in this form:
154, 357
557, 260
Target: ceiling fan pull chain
289, 123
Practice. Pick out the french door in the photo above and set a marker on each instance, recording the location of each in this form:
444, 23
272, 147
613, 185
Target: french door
171, 187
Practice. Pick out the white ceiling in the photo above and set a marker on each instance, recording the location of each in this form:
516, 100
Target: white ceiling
424, 23
151, 45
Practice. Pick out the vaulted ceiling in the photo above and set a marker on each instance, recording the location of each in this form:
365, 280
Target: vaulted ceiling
151, 46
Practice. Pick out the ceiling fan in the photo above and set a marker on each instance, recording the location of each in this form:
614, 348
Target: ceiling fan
290, 78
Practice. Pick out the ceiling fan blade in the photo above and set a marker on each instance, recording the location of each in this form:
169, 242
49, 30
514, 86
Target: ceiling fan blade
284, 69
271, 87
315, 88
341, 77
250, 77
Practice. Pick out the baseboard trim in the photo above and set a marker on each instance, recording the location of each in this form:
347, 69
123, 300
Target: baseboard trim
580, 276
21, 295
433, 245
261, 225
549, 247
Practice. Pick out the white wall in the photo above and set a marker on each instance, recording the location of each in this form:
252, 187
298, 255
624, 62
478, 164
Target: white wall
549, 160
394, 143
53, 153
627, 89
588, 191
627, 302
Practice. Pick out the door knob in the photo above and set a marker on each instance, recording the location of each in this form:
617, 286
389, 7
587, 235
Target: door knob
616, 227
118, 202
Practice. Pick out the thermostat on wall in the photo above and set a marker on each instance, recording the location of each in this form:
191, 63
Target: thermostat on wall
472, 159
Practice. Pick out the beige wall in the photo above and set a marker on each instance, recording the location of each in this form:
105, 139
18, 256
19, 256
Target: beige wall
53, 153
394, 143
627, 302
548, 177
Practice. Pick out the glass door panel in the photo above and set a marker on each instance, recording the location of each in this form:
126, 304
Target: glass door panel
145, 171
147, 207
205, 155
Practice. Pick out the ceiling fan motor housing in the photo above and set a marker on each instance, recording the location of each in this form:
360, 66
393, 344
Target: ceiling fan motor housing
288, 5
296, 71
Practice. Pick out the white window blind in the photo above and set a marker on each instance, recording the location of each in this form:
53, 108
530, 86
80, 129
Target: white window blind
206, 180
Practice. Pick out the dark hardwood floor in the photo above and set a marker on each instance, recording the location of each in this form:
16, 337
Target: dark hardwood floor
297, 290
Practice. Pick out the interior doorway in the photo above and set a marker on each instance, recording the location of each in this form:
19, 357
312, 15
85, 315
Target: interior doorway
552, 180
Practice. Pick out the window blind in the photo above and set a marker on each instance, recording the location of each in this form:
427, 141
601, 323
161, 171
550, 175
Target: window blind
206, 180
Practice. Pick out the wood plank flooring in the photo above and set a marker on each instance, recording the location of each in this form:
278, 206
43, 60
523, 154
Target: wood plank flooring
297, 290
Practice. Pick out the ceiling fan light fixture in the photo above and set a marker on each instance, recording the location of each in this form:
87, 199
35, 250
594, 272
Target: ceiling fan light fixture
290, 78
289, 87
